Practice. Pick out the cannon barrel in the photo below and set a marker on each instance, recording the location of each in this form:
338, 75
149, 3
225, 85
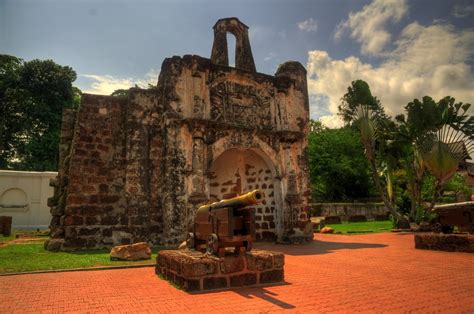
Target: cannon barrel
250, 198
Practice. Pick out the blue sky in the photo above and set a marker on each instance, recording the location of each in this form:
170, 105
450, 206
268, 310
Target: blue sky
404, 49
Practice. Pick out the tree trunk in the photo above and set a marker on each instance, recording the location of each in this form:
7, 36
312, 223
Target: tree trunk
401, 220
437, 192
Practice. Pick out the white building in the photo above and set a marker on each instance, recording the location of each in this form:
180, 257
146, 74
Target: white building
24, 196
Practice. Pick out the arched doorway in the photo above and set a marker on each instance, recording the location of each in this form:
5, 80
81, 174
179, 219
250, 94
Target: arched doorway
237, 171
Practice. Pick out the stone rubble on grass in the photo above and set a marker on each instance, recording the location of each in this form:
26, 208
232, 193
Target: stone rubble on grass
131, 252
327, 230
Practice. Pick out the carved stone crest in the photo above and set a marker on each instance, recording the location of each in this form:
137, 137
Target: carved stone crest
240, 104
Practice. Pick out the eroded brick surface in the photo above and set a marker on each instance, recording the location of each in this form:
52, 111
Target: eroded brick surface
361, 273
136, 169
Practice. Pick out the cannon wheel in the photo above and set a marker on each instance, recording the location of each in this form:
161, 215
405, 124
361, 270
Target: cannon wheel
190, 242
212, 244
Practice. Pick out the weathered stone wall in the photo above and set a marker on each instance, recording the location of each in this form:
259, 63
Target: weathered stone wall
138, 168
95, 200
346, 210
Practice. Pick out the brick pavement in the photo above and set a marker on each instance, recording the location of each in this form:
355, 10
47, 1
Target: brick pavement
362, 273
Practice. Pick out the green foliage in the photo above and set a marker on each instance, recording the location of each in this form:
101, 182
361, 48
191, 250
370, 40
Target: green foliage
359, 94
453, 187
431, 136
338, 168
120, 93
10, 100
33, 95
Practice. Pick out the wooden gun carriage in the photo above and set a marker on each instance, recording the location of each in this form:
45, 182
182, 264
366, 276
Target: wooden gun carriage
227, 223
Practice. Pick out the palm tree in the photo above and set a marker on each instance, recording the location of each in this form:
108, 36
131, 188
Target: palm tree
442, 135
370, 126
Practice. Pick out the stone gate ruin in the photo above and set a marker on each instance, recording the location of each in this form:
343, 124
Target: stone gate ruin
135, 169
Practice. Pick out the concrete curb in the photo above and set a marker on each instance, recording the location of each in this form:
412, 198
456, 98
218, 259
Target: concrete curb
77, 269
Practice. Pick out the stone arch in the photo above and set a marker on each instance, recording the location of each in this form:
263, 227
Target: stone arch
243, 52
261, 148
14, 199
238, 170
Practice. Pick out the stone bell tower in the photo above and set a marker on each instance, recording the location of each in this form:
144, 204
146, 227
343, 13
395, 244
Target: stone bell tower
243, 51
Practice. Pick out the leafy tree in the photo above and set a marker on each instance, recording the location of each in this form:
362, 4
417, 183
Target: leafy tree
36, 95
359, 94
338, 168
120, 93
10, 101
442, 135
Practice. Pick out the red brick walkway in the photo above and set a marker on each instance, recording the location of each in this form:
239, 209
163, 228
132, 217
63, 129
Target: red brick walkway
366, 273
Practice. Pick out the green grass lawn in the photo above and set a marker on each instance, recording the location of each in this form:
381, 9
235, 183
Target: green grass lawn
357, 227
33, 256
5, 239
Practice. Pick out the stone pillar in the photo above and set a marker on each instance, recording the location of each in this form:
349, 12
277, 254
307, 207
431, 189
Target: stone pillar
198, 180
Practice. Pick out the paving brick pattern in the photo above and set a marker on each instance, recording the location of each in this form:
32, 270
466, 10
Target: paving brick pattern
363, 273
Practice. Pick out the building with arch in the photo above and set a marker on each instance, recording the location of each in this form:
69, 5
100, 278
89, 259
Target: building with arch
137, 168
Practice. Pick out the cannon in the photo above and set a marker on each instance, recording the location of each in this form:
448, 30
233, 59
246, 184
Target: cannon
227, 223
460, 215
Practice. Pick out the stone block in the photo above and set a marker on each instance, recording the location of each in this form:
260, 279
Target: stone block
445, 242
242, 280
198, 267
134, 252
278, 260
232, 264
259, 260
272, 276
6, 225
327, 230
213, 283
196, 271
192, 285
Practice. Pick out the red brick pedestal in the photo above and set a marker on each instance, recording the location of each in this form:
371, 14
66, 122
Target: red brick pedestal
195, 271
445, 242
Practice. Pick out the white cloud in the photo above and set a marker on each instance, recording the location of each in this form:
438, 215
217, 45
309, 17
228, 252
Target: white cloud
368, 25
270, 56
106, 84
461, 11
426, 60
331, 121
309, 25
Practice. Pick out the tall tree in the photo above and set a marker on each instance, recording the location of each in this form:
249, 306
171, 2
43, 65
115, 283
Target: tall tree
338, 167
37, 95
11, 99
359, 94
363, 110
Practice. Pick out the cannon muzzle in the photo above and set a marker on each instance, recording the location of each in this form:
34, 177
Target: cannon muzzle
250, 198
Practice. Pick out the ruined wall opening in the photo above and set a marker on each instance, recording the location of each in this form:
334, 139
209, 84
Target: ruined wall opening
237, 171
231, 48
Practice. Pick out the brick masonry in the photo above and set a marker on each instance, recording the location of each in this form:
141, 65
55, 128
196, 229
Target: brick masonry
445, 242
136, 168
194, 271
